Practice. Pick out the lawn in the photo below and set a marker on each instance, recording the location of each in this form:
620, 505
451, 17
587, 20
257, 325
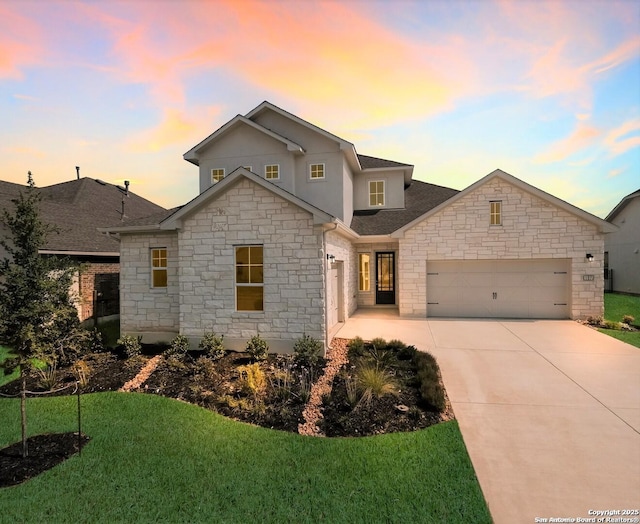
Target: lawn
4, 353
615, 307
154, 459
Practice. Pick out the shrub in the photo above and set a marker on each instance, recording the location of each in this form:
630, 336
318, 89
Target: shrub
628, 319
610, 324
407, 353
95, 342
178, 348
81, 371
307, 351
132, 345
356, 348
351, 386
396, 345
48, 376
381, 357
213, 346
379, 343
257, 348
428, 372
373, 383
594, 321
252, 379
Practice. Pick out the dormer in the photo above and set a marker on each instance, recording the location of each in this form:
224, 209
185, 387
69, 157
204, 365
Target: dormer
380, 184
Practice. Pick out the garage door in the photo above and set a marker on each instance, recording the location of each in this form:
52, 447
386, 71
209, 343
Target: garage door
498, 288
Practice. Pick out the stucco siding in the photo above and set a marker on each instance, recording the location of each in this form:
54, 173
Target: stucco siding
247, 214
531, 228
144, 309
393, 188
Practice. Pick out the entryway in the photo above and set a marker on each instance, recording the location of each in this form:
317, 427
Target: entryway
385, 278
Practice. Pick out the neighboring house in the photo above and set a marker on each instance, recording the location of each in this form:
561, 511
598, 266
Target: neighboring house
293, 230
622, 247
77, 208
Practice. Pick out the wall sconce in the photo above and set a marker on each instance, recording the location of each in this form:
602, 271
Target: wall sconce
589, 257
331, 258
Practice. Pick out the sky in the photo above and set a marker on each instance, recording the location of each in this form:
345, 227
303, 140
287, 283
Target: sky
548, 91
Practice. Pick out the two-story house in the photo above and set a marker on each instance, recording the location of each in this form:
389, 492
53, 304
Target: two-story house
293, 230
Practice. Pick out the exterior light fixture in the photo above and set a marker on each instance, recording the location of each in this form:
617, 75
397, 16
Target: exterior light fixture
331, 258
589, 257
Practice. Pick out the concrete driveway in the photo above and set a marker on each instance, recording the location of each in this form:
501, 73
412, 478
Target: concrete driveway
549, 410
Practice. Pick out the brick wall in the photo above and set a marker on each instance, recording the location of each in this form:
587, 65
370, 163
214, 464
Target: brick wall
532, 228
96, 276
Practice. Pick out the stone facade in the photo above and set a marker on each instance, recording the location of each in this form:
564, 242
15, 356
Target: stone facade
531, 228
247, 214
345, 252
144, 310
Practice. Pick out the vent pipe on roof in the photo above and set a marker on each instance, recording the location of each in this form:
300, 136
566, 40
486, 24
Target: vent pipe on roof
126, 187
77, 172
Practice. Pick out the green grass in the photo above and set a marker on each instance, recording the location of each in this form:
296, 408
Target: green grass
615, 307
154, 459
4, 354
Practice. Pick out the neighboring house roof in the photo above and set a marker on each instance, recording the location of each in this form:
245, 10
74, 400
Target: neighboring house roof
602, 225
419, 198
621, 205
77, 208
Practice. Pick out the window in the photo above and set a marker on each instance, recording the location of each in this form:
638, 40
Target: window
495, 213
316, 171
249, 278
159, 267
217, 175
248, 168
272, 172
376, 193
363, 272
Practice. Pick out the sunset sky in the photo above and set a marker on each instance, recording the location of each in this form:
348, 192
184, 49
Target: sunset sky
548, 91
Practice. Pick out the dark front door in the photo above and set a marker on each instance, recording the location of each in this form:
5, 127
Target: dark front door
385, 278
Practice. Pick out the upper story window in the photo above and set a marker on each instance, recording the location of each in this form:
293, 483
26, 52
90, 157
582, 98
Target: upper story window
272, 172
217, 174
364, 272
495, 212
159, 267
249, 278
376, 193
316, 171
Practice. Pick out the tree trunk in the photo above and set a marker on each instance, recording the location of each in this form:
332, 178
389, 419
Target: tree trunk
23, 414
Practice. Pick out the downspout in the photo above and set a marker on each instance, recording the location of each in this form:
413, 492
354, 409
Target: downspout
326, 270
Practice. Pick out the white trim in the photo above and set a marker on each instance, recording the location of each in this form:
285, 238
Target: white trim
384, 195
324, 171
265, 172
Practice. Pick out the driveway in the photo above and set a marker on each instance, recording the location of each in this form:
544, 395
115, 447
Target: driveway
549, 410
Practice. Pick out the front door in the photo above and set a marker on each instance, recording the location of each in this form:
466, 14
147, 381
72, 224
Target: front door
385, 278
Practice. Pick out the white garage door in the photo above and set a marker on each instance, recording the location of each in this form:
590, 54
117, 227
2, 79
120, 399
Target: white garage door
498, 288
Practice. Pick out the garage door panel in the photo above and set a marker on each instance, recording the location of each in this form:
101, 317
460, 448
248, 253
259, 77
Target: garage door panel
537, 288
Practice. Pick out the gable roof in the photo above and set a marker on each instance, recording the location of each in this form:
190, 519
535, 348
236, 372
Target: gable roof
77, 208
193, 154
621, 205
171, 219
419, 198
602, 225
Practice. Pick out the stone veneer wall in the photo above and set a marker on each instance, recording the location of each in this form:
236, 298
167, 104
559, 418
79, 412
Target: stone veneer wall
293, 269
345, 251
153, 313
532, 228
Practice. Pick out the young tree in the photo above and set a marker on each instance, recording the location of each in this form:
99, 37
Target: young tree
37, 317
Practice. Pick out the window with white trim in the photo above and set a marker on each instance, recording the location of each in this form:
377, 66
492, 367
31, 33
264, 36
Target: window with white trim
159, 267
249, 278
272, 172
217, 174
364, 272
495, 212
376, 193
316, 171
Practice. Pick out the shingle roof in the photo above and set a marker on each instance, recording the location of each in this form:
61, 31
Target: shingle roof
78, 207
419, 198
371, 162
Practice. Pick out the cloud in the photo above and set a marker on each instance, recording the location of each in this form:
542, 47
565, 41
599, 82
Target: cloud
615, 172
20, 43
583, 136
618, 140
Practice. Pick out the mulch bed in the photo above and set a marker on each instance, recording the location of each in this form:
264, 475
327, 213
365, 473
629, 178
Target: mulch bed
217, 385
